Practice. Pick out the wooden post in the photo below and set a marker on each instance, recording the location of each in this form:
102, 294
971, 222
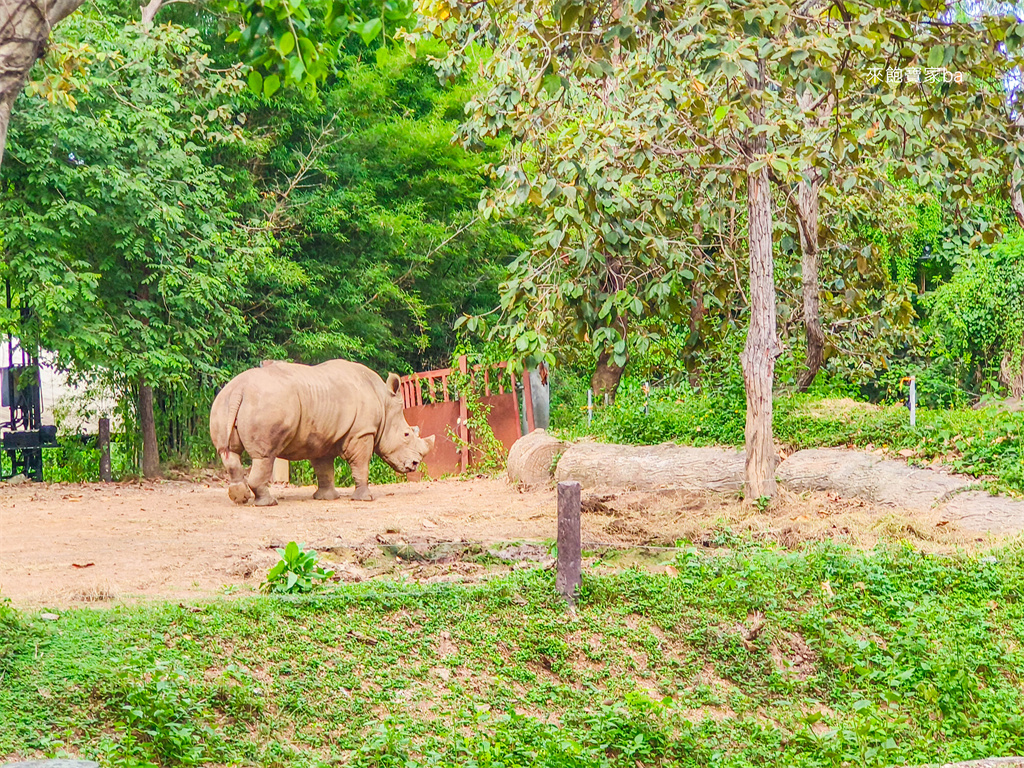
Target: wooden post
103, 443
570, 561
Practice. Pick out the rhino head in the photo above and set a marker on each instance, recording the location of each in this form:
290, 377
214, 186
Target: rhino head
400, 444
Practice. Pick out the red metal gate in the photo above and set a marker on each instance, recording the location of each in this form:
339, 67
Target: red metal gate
434, 405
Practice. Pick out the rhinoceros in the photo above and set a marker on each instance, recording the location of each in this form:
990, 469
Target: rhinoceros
291, 411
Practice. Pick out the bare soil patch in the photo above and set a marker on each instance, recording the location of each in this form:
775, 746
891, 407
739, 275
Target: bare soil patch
181, 540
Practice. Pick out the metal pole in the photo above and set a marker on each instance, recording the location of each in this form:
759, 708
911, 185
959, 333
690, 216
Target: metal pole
590, 406
913, 401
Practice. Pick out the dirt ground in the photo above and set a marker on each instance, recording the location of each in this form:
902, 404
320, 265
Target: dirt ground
71, 544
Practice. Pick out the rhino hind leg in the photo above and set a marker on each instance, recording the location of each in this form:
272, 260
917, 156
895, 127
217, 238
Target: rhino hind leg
238, 491
259, 481
324, 468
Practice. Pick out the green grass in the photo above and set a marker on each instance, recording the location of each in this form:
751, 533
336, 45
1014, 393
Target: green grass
868, 659
984, 443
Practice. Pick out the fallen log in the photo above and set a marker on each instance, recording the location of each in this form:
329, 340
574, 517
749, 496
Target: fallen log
649, 467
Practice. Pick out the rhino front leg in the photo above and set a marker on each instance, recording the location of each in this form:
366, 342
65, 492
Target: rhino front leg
259, 480
358, 454
324, 468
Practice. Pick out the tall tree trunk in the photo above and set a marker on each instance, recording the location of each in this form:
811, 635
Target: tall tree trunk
698, 309
24, 28
6, 104
1011, 371
1016, 200
807, 206
150, 9
762, 347
147, 424
807, 209
607, 376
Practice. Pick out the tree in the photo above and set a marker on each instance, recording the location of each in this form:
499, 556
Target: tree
276, 38
118, 226
375, 210
727, 96
24, 29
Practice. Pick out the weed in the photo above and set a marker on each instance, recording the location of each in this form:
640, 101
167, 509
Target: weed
296, 571
488, 453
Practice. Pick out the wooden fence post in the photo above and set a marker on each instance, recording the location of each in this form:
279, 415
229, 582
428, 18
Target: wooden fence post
570, 560
103, 443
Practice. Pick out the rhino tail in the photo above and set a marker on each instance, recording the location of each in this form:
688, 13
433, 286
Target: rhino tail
233, 406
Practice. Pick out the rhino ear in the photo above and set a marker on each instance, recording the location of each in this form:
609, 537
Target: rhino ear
430, 443
394, 383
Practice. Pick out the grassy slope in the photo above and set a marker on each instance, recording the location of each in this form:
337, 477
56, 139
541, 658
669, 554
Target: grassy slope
864, 659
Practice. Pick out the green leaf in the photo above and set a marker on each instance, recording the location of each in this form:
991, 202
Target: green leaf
936, 56
368, 30
271, 85
552, 84
255, 81
291, 551
286, 44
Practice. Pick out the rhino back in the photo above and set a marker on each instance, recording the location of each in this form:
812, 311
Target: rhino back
302, 412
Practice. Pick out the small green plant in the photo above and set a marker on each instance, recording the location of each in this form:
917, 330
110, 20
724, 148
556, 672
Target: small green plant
762, 503
297, 571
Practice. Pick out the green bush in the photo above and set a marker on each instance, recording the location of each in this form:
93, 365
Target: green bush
977, 317
77, 460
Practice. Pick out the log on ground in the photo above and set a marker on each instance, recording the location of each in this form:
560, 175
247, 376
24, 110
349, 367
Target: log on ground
650, 467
